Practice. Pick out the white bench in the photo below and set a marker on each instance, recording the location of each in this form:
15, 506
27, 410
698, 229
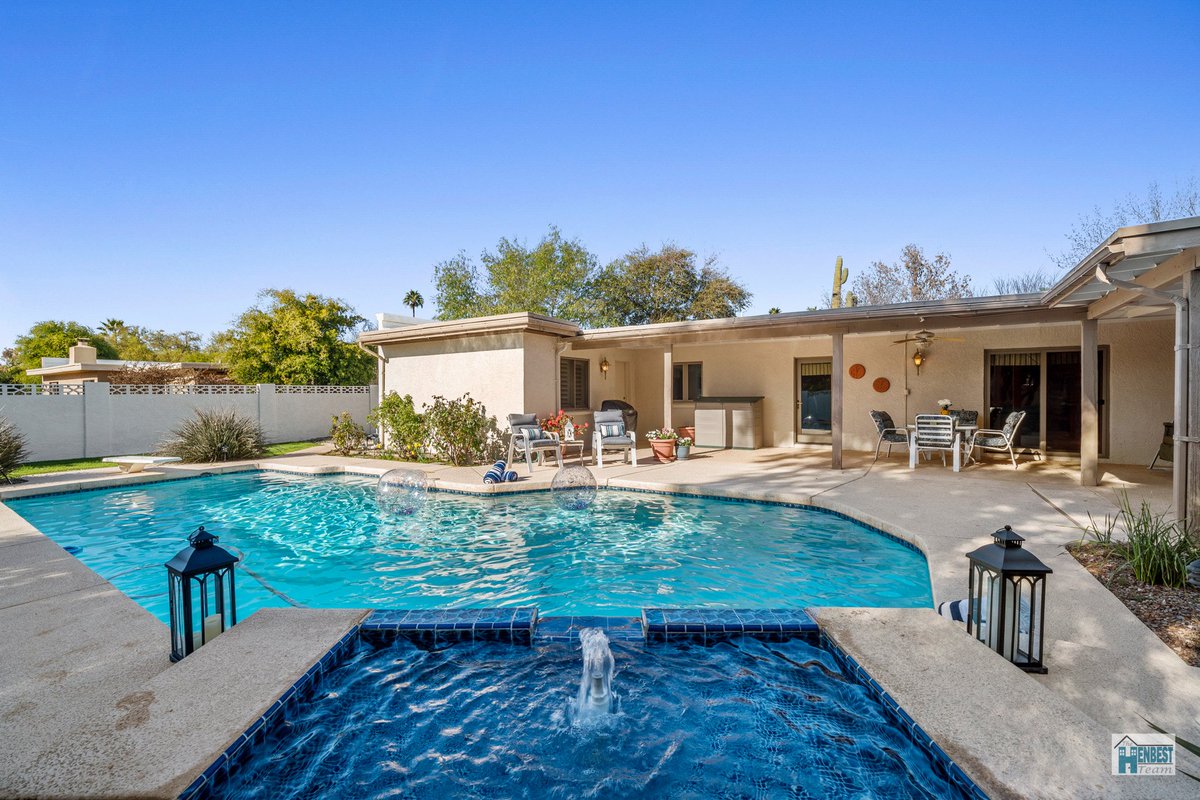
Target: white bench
133, 464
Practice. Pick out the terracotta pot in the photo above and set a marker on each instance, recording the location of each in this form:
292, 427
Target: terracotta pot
664, 450
686, 432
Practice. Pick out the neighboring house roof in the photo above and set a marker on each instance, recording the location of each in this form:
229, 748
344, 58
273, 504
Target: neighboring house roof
1156, 254
63, 366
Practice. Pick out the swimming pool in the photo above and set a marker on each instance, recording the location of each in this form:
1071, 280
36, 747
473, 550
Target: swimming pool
321, 541
481, 719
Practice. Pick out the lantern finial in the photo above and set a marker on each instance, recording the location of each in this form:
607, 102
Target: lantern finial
201, 539
1007, 537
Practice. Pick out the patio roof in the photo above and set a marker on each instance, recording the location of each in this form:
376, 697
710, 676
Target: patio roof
1155, 255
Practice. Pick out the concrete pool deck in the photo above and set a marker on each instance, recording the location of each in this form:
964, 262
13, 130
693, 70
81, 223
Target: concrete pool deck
84, 646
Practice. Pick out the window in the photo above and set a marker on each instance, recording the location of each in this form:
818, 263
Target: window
573, 383
685, 382
815, 393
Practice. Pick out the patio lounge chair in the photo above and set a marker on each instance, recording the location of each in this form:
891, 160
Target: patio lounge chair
1166, 448
888, 432
529, 438
1001, 440
935, 433
610, 434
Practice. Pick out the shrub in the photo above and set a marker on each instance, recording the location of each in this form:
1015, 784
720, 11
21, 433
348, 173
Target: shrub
1156, 548
347, 435
218, 435
12, 449
461, 432
402, 425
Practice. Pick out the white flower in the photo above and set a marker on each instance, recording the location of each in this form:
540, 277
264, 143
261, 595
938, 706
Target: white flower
945, 403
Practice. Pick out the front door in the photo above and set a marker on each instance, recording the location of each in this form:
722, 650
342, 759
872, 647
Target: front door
814, 400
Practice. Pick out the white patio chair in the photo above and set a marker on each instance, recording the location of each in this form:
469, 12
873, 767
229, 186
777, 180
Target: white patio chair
610, 434
1000, 440
935, 433
528, 437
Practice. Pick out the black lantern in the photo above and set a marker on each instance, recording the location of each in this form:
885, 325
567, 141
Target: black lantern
200, 588
1007, 593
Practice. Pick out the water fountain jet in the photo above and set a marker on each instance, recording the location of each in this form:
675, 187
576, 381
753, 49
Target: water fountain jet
595, 698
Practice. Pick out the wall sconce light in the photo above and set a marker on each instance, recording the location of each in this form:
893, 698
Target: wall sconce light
604, 365
918, 360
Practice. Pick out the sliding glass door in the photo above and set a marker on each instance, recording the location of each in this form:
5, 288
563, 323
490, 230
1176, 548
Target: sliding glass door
814, 400
1045, 384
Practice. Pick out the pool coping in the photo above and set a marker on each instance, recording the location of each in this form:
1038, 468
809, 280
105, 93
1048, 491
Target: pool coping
856, 505
500, 624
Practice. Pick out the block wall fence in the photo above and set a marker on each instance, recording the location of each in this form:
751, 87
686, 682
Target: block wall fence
89, 420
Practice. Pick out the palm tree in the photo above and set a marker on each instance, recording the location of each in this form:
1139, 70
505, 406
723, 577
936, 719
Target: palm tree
110, 327
414, 301
773, 310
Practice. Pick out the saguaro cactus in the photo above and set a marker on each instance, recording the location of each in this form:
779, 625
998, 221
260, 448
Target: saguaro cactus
840, 276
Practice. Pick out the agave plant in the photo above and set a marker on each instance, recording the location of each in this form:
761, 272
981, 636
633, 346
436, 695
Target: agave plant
217, 435
12, 449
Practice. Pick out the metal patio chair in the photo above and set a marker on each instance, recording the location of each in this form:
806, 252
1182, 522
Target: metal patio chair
888, 432
528, 437
610, 434
999, 441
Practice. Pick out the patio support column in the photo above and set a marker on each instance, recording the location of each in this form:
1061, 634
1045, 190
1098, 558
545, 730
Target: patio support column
1186, 479
835, 415
668, 366
1089, 406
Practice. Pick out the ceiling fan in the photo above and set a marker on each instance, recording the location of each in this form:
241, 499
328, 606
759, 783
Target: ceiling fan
926, 337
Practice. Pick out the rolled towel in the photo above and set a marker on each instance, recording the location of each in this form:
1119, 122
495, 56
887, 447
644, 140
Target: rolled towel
500, 465
954, 609
492, 477
510, 476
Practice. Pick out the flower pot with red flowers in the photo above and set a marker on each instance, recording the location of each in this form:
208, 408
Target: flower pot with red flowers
662, 444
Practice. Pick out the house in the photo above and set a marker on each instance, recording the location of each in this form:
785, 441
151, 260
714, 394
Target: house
82, 366
1099, 362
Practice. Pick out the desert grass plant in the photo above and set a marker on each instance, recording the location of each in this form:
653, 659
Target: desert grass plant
12, 449
216, 435
1156, 548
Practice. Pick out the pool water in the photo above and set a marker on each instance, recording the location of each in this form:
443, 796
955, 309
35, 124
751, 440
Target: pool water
482, 719
322, 542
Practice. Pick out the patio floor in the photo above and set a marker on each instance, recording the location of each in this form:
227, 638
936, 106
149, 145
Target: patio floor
1102, 659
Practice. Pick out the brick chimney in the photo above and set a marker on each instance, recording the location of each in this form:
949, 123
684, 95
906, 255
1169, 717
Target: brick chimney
82, 353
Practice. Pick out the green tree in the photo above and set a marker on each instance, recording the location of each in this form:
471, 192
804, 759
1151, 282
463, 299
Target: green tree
414, 301
1095, 226
52, 339
913, 277
773, 310
552, 278
665, 285
297, 339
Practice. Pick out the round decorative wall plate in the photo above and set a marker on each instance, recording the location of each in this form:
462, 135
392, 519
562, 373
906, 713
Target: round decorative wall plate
857, 371
881, 385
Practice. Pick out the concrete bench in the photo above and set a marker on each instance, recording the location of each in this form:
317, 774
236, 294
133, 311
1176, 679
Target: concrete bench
133, 464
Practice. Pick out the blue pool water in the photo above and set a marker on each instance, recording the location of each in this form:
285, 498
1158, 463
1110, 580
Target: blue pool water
322, 542
481, 719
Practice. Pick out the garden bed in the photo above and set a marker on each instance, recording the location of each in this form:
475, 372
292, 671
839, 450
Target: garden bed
1173, 614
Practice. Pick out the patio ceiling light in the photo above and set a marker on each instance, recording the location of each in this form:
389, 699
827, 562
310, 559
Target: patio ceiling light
918, 360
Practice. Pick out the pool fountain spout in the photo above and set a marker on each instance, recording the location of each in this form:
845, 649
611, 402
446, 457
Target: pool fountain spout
595, 684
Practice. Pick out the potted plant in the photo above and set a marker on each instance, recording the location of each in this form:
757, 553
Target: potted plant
662, 442
687, 432
683, 447
565, 426
945, 406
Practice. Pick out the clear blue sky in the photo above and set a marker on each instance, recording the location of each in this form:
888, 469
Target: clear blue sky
162, 162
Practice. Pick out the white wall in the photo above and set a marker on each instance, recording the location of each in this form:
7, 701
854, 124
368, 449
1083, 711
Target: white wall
102, 423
